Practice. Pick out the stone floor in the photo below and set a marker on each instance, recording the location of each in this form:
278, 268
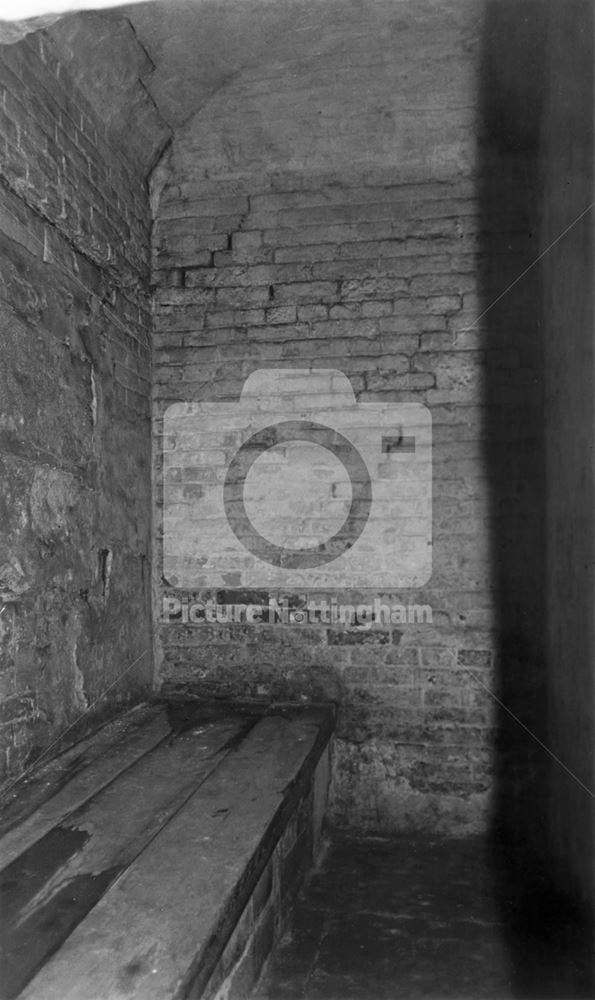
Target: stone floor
416, 917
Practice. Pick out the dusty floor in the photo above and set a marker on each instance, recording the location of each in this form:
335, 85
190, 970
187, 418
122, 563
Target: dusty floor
417, 917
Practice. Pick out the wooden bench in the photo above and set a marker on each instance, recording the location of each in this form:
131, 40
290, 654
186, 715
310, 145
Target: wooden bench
159, 858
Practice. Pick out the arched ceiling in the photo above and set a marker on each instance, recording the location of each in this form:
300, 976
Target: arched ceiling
197, 46
150, 66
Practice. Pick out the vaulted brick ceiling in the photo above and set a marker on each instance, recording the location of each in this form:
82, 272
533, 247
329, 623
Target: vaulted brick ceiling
183, 51
196, 46
148, 67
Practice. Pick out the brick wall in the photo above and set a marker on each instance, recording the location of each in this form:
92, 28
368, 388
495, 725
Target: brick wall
74, 438
332, 212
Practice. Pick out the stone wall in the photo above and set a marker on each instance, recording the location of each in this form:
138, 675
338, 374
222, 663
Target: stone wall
74, 410
329, 210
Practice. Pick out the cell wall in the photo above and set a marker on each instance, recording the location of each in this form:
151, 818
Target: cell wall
329, 211
74, 403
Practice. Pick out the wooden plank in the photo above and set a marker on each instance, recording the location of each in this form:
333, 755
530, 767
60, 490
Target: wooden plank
53, 885
21, 797
75, 777
149, 934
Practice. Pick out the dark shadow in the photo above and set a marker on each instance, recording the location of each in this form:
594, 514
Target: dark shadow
548, 932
